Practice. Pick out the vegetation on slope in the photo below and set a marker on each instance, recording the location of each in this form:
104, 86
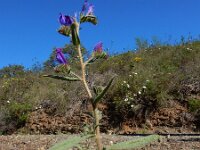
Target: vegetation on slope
147, 79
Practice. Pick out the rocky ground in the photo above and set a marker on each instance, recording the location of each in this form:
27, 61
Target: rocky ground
43, 121
43, 129
43, 142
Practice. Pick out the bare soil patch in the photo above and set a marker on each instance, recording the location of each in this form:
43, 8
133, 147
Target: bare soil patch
43, 142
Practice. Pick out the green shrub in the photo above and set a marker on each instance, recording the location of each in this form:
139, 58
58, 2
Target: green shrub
172, 73
194, 104
19, 113
167, 72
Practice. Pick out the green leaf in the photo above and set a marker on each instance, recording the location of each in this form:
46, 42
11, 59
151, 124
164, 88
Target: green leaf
101, 55
137, 143
70, 143
75, 37
63, 68
99, 96
97, 89
88, 129
62, 78
89, 18
90, 60
65, 30
96, 56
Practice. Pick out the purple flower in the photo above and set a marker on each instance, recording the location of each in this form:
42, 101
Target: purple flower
98, 51
90, 10
84, 7
65, 20
60, 56
99, 47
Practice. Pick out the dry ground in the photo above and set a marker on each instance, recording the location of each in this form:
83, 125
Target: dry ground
43, 142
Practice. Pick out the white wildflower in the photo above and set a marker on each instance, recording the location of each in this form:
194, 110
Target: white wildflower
124, 81
139, 92
111, 142
147, 80
126, 99
8, 102
128, 86
135, 95
135, 73
132, 106
188, 48
130, 75
144, 87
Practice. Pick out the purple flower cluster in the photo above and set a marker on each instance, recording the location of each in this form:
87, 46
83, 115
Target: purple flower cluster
98, 51
98, 47
60, 56
65, 20
87, 8
85, 5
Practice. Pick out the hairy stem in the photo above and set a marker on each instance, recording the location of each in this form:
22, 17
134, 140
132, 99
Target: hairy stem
95, 110
83, 72
97, 129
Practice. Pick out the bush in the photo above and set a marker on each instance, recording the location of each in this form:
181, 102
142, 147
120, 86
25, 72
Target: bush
152, 76
19, 113
194, 104
172, 73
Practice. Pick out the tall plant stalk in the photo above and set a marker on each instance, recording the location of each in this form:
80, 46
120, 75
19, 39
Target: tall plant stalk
70, 28
94, 107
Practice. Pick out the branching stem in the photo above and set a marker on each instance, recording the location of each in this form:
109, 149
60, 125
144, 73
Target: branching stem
73, 73
95, 109
86, 63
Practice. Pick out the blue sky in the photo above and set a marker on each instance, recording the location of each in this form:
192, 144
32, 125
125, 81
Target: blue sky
28, 27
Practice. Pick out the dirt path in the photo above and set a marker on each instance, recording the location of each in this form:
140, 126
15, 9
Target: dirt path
43, 142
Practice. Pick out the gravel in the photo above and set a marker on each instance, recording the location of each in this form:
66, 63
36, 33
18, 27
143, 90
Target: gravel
44, 142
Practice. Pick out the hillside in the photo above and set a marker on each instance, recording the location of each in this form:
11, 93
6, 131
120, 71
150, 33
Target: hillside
155, 87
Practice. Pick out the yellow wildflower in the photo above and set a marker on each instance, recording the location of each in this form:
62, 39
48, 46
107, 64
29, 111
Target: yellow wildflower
137, 59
